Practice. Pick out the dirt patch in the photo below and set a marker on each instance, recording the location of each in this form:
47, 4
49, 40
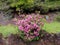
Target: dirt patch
47, 39
4, 20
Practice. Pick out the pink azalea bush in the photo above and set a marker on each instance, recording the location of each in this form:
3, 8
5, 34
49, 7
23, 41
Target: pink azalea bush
30, 27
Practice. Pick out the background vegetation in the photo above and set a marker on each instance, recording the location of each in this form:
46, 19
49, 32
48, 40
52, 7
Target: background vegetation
30, 5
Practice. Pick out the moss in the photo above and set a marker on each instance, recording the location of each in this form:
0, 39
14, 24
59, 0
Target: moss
8, 29
53, 27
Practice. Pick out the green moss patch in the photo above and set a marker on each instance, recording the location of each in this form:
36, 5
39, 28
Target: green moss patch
8, 29
53, 27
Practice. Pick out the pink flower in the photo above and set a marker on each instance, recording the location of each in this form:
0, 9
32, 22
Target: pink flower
27, 35
35, 32
32, 37
18, 22
21, 28
35, 25
38, 29
30, 26
26, 31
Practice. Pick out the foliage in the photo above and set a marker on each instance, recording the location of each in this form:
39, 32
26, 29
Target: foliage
44, 9
4, 4
5, 8
30, 27
30, 5
51, 0
22, 4
57, 18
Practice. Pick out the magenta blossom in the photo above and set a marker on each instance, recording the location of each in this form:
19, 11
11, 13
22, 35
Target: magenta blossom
30, 26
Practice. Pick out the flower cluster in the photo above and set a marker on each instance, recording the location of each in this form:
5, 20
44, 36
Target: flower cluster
29, 27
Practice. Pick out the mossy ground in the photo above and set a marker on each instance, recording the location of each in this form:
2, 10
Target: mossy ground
53, 27
8, 29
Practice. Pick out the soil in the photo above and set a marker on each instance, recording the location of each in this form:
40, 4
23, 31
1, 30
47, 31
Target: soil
4, 20
47, 39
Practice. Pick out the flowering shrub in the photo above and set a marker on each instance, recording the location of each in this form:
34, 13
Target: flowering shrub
30, 27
